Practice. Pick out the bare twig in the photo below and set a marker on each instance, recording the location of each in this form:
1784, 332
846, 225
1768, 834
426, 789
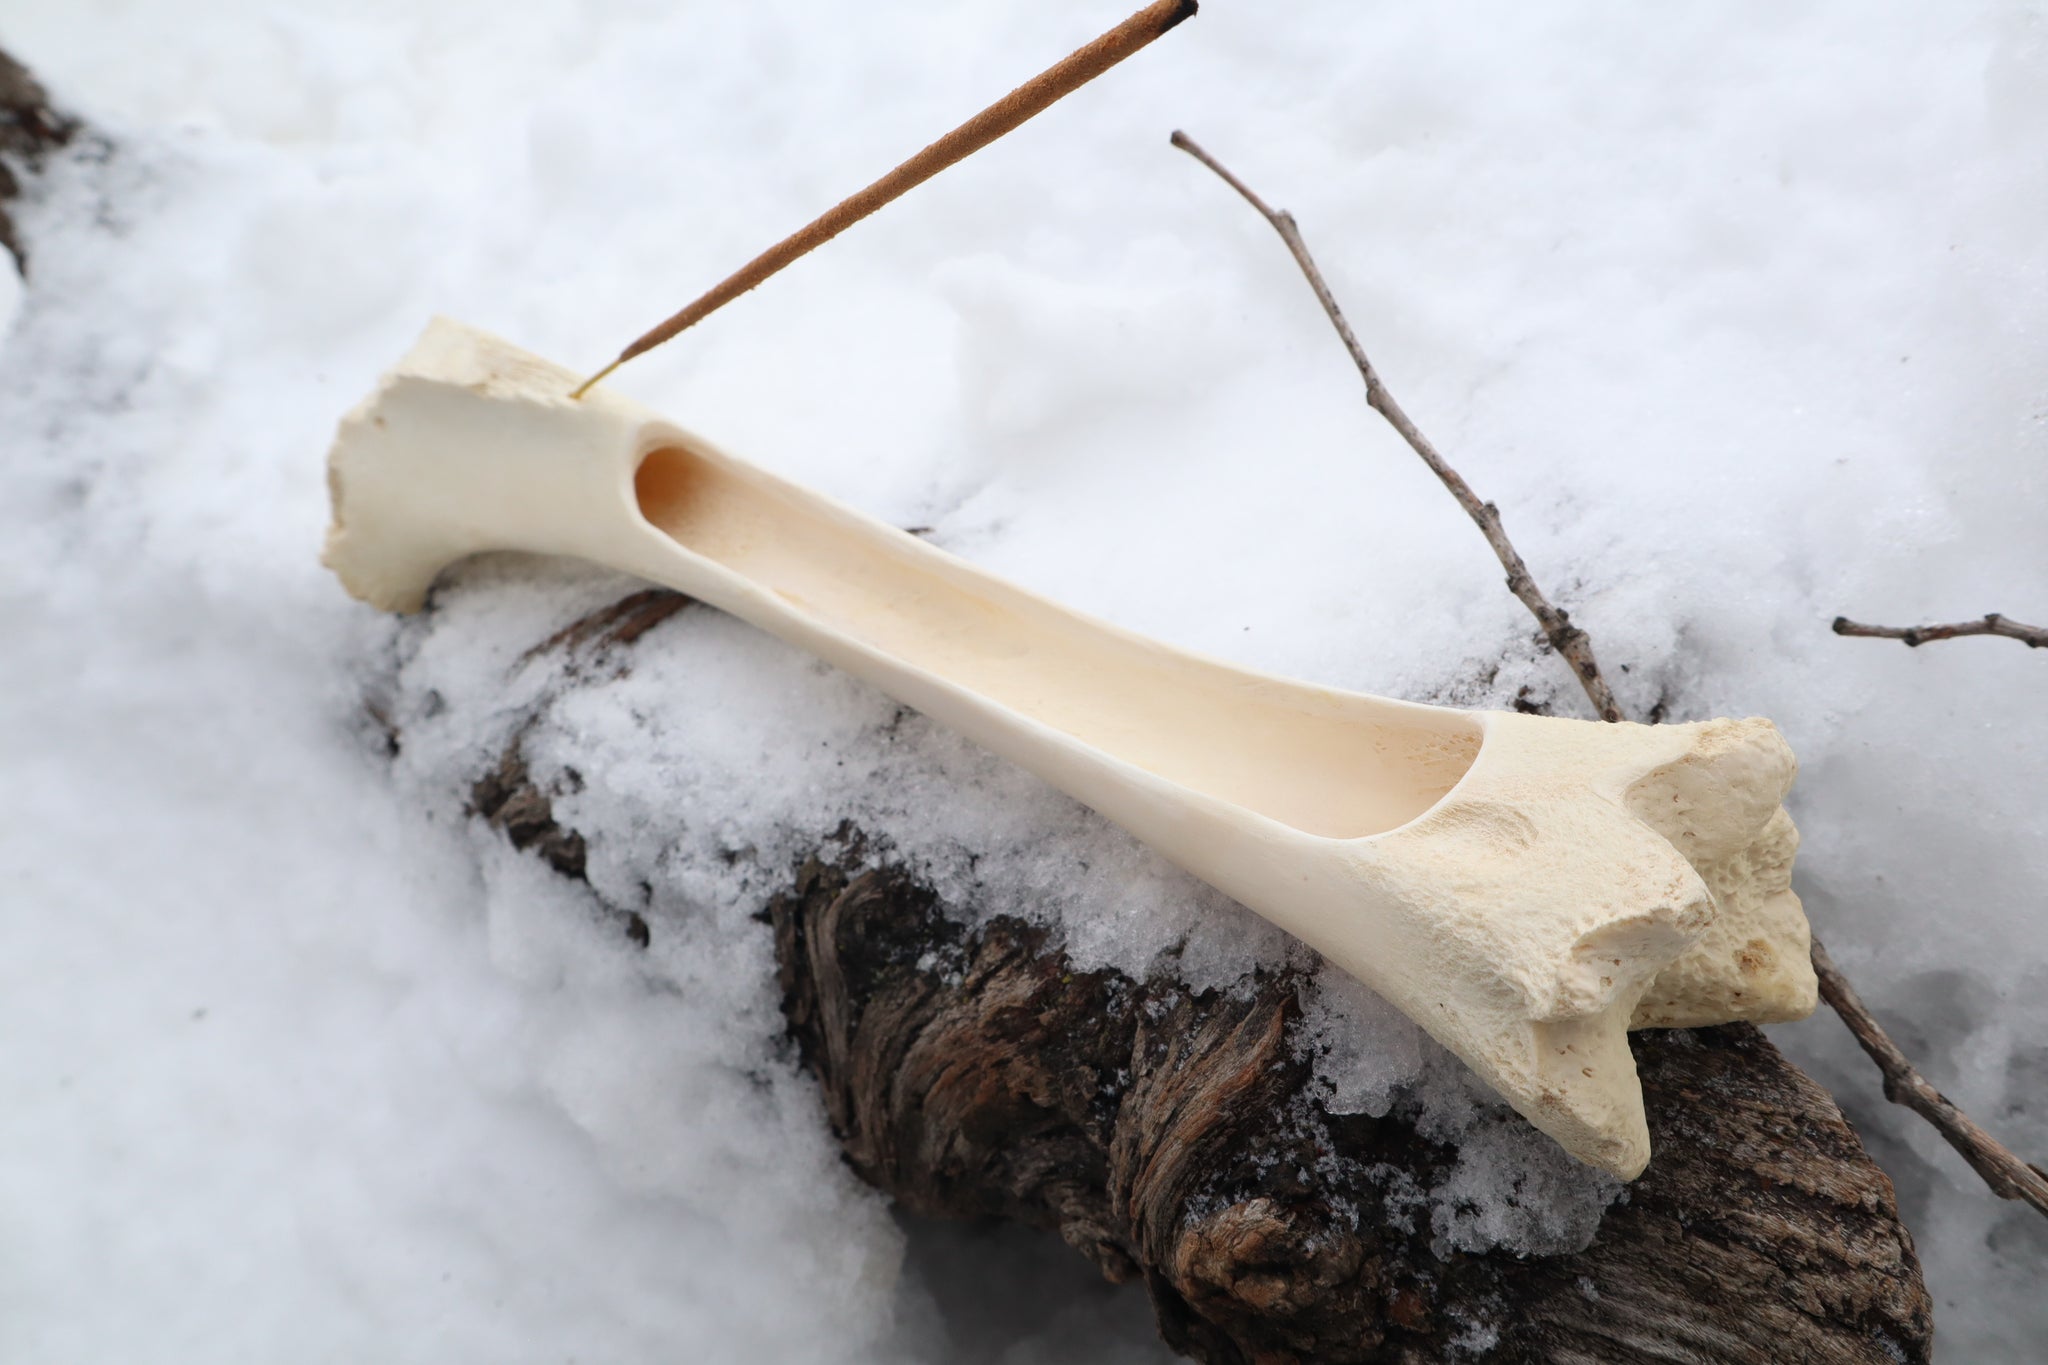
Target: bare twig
2034, 637
1032, 97
1567, 639
2007, 1175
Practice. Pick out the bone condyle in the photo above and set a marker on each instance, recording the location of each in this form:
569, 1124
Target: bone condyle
1526, 888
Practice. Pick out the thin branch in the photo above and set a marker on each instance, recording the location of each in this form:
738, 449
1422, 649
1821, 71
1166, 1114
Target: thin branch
1567, 639
2034, 637
2007, 1175
1032, 97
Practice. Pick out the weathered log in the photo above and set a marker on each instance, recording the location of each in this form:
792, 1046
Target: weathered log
1177, 1137
30, 128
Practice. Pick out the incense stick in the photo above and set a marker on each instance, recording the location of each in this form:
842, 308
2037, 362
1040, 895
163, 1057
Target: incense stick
1030, 98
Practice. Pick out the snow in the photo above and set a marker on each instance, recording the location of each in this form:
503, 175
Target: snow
1734, 310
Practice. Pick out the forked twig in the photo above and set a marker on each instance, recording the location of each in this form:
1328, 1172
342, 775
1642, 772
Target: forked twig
2034, 637
1032, 97
1567, 639
2007, 1175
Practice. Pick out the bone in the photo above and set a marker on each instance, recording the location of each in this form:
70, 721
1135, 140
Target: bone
1526, 888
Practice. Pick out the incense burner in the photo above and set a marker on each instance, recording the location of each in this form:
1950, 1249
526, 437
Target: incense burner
1526, 888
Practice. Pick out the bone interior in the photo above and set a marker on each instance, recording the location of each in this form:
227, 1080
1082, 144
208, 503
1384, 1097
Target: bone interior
1329, 764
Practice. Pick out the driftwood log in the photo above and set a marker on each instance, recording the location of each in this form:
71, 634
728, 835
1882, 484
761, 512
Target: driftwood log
1175, 1138
30, 129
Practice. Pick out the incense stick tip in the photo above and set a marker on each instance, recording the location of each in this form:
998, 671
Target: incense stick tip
587, 385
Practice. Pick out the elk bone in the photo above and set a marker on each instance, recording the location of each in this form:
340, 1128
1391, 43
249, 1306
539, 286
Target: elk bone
1526, 888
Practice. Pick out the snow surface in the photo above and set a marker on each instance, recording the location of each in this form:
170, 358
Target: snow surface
1734, 309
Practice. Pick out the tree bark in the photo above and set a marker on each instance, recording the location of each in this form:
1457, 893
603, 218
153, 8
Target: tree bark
1175, 1137
29, 129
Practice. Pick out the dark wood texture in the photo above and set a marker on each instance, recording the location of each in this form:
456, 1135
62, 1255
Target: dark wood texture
29, 130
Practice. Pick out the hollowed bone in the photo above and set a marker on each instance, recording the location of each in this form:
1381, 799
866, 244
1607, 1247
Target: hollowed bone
1525, 888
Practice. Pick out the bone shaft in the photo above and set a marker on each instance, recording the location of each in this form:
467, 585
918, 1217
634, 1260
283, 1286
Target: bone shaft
1327, 765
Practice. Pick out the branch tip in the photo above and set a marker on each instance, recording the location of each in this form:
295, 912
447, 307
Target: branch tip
2005, 1173
1573, 644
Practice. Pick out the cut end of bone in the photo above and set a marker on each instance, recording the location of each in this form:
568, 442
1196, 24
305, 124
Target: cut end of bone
1526, 888
440, 462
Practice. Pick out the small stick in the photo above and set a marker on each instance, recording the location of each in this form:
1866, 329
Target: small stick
1566, 638
2034, 637
2007, 1175
1032, 97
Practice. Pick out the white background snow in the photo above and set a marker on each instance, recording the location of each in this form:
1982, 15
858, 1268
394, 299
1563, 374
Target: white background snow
1739, 311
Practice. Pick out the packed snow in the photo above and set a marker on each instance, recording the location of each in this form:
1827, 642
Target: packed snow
1734, 310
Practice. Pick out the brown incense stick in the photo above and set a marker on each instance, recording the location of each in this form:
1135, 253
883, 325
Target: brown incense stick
1030, 98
